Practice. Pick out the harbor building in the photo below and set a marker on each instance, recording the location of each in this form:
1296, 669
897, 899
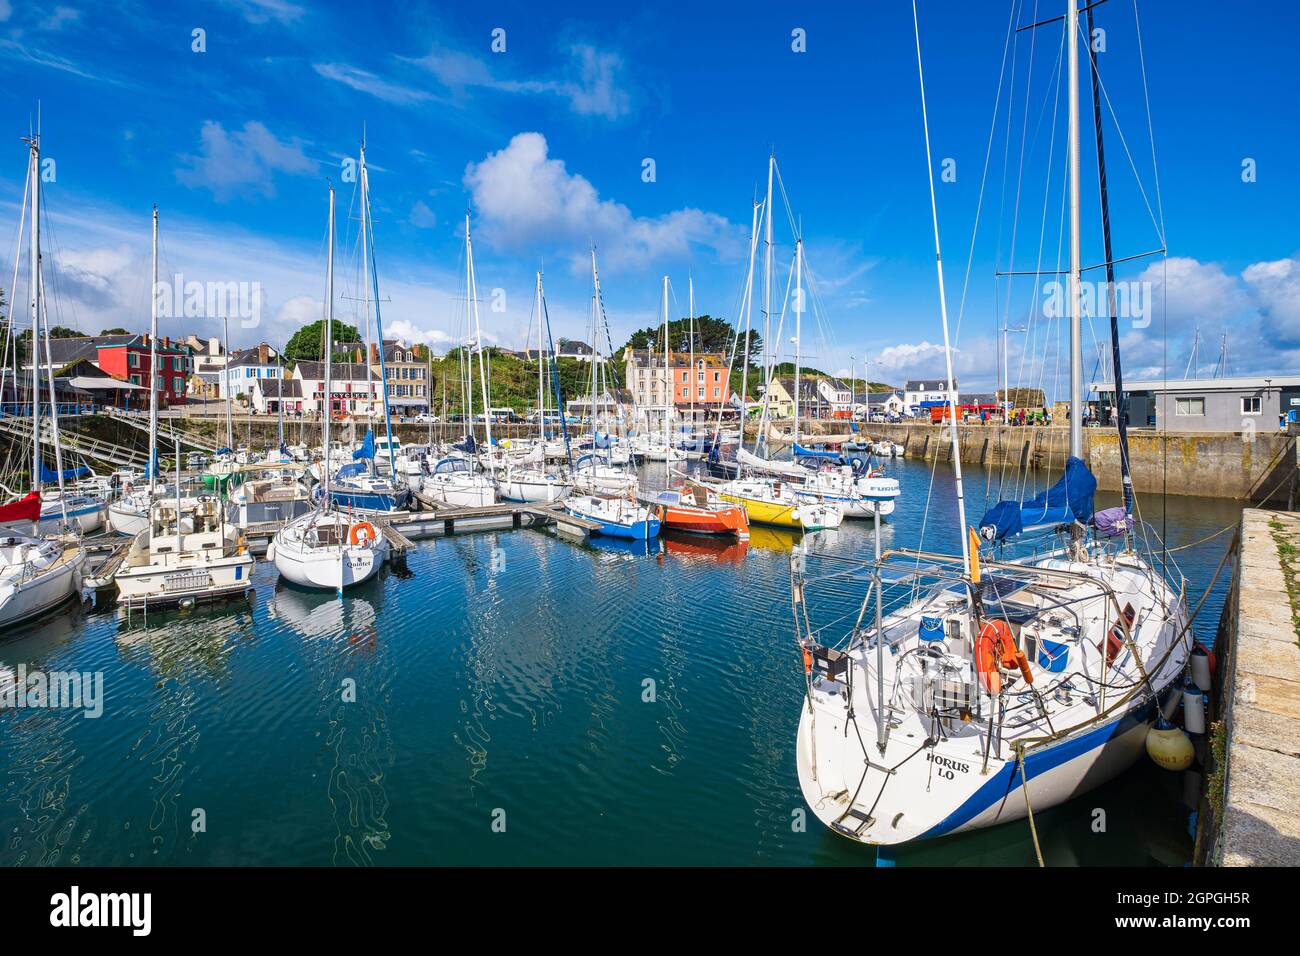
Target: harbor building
692, 385
918, 391
125, 357
1247, 403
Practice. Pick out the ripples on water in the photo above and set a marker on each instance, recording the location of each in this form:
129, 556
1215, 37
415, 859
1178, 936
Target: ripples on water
501, 677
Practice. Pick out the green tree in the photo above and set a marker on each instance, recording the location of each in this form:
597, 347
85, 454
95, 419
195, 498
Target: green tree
117, 331
306, 344
711, 335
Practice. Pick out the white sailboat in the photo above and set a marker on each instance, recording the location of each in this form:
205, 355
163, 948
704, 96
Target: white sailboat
129, 513
528, 479
327, 548
1002, 684
37, 573
455, 481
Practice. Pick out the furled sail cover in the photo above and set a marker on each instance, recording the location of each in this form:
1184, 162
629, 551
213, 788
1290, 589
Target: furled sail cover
49, 475
367, 449
814, 453
24, 509
1068, 500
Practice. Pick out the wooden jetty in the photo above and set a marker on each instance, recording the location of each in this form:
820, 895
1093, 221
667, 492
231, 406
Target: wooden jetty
439, 520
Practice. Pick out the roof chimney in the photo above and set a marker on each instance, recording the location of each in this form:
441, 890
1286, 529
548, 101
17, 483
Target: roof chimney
263, 358
374, 352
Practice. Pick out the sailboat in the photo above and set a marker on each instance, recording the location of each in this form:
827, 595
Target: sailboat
129, 513
327, 547
37, 573
602, 470
998, 684
529, 480
359, 486
455, 480
694, 509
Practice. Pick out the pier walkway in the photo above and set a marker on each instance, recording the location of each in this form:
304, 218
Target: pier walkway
1261, 697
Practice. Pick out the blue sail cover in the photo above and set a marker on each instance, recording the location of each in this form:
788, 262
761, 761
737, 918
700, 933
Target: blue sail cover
351, 470
223, 451
1068, 500
601, 441
49, 475
802, 452
367, 449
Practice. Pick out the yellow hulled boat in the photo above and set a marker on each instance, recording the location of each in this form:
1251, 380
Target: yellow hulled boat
765, 501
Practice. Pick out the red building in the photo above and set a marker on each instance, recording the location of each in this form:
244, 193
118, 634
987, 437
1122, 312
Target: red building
126, 358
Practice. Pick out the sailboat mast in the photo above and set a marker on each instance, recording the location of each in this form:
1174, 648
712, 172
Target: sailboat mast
749, 312
153, 364
943, 310
767, 275
329, 355
541, 407
225, 371
690, 341
668, 384
35, 296
478, 339
365, 277
1076, 323
1121, 419
798, 322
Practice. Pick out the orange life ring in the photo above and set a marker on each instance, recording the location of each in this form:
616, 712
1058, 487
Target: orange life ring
361, 531
995, 651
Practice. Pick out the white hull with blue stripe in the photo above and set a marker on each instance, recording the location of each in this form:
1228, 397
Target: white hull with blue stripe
950, 756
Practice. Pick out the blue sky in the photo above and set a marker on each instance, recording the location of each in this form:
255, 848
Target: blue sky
545, 143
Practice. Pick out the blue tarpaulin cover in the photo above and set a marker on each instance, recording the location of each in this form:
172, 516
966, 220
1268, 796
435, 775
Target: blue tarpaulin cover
69, 474
1068, 500
352, 470
367, 449
812, 453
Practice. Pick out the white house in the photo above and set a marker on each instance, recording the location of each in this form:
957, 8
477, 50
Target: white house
245, 367
354, 387
837, 395
269, 394
916, 391
886, 403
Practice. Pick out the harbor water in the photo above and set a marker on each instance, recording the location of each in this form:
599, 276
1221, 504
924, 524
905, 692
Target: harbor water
509, 698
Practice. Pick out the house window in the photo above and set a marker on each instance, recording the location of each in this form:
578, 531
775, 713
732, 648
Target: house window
717, 376
717, 392
1189, 406
133, 359
1250, 405
701, 391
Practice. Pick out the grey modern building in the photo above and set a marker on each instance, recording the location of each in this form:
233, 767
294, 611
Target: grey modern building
1240, 403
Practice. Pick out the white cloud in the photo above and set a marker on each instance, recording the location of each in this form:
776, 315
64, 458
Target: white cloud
1276, 286
525, 198
1194, 293
593, 81
59, 17
241, 163
264, 11
366, 82
422, 217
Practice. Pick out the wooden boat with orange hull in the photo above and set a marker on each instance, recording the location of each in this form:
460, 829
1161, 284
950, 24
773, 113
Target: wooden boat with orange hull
696, 510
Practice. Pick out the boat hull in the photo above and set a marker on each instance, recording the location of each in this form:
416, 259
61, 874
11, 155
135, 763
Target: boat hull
151, 586
776, 514
329, 569
731, 520
24, 602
